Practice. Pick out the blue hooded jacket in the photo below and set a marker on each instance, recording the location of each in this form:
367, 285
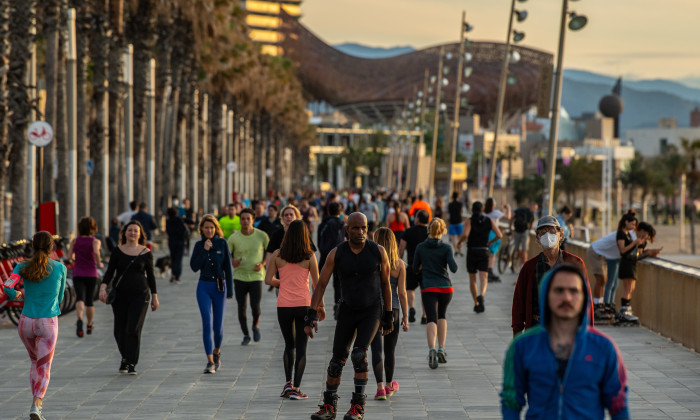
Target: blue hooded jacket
219, 255
595, 377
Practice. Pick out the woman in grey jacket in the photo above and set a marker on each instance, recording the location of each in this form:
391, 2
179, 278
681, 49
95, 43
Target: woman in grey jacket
433, 257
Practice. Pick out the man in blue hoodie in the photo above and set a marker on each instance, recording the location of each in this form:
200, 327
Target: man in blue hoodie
564, 368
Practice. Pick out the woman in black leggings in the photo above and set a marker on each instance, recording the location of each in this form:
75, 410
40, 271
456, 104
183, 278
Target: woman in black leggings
295, 261
385, 237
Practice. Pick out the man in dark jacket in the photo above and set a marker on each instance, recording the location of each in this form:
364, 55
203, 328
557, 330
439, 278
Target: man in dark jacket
562, 367
331, 232
146, 220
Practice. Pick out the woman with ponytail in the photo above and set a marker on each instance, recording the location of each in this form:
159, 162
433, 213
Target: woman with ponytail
44, 284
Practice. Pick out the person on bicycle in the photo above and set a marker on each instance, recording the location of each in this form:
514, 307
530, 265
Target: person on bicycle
526, 309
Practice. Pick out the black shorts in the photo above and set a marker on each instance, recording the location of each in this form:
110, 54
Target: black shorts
84, 289
435, 305
477, 260
413, 279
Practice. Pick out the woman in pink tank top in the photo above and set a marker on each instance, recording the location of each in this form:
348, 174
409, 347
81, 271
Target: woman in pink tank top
295, 261
84, 251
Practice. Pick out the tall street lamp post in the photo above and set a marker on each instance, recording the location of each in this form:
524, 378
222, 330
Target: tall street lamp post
577, 22
517, 37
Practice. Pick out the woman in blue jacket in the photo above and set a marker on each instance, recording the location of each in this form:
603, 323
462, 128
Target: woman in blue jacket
433, 257
212, 259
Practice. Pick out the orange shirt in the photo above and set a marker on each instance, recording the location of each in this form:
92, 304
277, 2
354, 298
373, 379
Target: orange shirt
420, 205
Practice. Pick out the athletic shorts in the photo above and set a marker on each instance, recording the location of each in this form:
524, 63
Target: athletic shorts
595, 263
477, 260
413, 279
457, 229
521, 240
85, 289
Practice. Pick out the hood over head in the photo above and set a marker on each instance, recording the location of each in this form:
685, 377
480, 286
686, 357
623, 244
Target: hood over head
545, 312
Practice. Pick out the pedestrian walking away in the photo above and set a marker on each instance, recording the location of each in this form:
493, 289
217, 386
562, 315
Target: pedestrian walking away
177, 235
397, 277
631, 250
363, 269
433, 257
295, 261
44, 285
409, 241
520, 224
247, 248
526, 304
563, 368
212, 259
476, 233
456, 227
496, 215
84, 252
131, 265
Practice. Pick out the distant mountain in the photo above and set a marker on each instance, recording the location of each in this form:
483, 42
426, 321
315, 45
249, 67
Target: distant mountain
365, 51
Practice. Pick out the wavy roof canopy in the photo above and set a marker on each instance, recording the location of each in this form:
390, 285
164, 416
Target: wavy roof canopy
375, 90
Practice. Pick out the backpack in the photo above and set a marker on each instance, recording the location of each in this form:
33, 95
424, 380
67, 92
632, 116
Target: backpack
520, 222
330, 233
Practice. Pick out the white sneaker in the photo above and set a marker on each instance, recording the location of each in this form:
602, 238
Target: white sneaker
35, 413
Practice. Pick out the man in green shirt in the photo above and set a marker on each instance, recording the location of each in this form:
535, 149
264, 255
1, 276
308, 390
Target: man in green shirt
247, 248
230, 222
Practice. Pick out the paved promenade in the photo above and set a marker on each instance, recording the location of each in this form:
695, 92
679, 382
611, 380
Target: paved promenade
664, 378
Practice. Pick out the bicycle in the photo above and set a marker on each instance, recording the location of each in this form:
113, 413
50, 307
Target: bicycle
507, 255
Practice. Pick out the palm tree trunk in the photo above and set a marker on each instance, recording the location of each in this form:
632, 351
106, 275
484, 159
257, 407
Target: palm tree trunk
83, 34
21, 15
215, 144
52, 20
4, 141
61, 134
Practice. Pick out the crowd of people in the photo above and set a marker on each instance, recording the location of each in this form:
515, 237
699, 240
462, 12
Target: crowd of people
363, 240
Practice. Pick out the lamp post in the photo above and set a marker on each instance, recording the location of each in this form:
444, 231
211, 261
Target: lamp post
577, 22
517, 37
464, 27
433, 159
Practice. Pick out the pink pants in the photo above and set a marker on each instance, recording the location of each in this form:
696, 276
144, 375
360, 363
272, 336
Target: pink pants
39, 336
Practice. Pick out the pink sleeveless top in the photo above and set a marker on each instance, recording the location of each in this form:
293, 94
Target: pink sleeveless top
294, 286
85, 264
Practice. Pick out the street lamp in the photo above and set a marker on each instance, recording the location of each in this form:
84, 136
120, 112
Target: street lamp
577, 22
459, 88
517, 37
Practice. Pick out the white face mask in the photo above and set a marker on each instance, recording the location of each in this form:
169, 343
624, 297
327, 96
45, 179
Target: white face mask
549, 240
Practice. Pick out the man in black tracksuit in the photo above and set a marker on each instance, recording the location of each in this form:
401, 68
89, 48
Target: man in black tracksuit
362, 268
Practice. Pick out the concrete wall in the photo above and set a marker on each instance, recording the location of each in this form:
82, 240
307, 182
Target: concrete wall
666, 298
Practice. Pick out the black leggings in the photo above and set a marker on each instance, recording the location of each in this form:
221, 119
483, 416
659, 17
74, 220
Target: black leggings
129, 315
291, 320
387, 365
435, 305
242, 288
354, 324
84, 289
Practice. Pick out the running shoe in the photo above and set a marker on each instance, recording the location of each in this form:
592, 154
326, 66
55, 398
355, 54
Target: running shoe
391, 388
432, 359
480, 307
123, 366
256, 334
286, 390
442, 356
211, 368
89, 329
412, 315
132, 369
79, 329
246, 340
297, 395
217, 361
381, 394
35, 413
424, 320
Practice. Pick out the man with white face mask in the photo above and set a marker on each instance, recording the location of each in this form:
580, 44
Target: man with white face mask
526, 309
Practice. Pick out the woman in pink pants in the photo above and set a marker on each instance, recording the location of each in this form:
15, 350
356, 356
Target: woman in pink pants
44, 284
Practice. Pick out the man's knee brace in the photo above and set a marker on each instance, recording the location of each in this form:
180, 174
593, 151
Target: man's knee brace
359, 359
335, 367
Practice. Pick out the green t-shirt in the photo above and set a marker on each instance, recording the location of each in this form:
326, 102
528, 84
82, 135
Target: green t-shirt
250, 248
230, 224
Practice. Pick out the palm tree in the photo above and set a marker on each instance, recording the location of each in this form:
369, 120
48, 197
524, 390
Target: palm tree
51, 31
510, 155
634, 175
22, 14
692, 152
83, 29
4, 68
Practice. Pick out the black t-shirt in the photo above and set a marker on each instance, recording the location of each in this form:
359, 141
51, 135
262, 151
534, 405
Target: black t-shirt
413, 236
455, 210
479, 233
276, 241
522, 217
630, 255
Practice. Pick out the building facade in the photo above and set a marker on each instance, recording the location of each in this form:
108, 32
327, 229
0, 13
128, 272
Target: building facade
264, 22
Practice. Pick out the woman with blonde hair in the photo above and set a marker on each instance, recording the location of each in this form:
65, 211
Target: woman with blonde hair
212, 259
433, 257
44, 285
397, 277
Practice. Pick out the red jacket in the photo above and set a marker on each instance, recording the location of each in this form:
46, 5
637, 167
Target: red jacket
522, 316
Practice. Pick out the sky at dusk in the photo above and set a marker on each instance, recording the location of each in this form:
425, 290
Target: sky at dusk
639, 39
